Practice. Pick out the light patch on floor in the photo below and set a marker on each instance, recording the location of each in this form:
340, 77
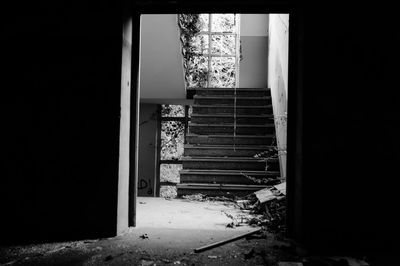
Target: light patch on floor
184, 214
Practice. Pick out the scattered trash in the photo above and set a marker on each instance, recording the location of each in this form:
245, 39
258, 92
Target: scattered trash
97, 248
144, 236
230, 225
219, 243
177, 262
195, 197
55, 250
89, 241
212, 257
146, 262
142, 202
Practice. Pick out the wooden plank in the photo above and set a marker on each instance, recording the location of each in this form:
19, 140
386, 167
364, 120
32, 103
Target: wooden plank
219, 243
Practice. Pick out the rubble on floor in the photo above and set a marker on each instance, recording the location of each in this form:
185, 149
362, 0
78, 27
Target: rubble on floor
265, 208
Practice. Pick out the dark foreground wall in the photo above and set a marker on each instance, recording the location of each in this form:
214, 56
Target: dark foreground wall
60, 114
351, 127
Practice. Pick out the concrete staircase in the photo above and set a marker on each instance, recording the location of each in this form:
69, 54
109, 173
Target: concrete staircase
219, 152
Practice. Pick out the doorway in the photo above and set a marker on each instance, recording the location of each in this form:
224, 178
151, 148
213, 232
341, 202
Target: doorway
279, 81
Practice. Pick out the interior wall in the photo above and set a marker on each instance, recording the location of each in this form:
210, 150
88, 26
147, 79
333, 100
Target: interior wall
147, 150
254, 48
161, 58
278, 79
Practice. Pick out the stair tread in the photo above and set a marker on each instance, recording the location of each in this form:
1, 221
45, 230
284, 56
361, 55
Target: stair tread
253, 147
231, 106
217, 158
216, 186
230, 136
231, 97
211, 88
231, 115
231, 125
230, 172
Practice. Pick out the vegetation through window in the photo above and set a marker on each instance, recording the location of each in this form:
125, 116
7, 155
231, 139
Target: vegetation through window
210, 49
173, 128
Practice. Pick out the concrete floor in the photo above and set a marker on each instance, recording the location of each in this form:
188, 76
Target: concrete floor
185, 214
167, 233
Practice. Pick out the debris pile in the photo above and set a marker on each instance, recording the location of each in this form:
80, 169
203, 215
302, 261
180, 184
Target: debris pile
271, 203
266, 207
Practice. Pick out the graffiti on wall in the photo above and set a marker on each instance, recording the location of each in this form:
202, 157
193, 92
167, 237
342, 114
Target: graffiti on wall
145, 187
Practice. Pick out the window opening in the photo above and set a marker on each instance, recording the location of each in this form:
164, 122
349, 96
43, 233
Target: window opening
210, 47
173, 129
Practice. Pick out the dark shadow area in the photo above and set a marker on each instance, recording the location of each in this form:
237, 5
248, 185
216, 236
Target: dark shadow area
61, 100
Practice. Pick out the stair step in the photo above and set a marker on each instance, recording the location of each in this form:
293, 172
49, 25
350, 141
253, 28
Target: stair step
231, 91
223, 150
217, 189
230, 139
223, 176
230, 118
229, 109
230, 128
219, 163
229, 100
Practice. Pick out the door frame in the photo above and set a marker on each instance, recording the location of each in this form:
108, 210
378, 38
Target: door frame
295, 105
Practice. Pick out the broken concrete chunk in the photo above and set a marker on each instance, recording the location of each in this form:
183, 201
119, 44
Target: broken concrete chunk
264, 195
281, 187
144, 236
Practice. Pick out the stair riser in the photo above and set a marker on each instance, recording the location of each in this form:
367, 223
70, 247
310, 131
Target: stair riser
213, 193
230, 120
228, 130
227, 101
228, 140
221, 152
240, 93
217, 165
230, 110
218, 179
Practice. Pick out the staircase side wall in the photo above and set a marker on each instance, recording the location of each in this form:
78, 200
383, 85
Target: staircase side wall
254, 50
161, 70
278, 78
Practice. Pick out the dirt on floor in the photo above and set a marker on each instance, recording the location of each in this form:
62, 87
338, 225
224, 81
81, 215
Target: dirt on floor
147, 249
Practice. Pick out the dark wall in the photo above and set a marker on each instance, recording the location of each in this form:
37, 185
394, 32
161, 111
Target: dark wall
351, 145
61, 101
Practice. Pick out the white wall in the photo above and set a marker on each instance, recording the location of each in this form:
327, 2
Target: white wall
254, 47
278, 77
161, 70
254, 25
147, 150
123, 172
